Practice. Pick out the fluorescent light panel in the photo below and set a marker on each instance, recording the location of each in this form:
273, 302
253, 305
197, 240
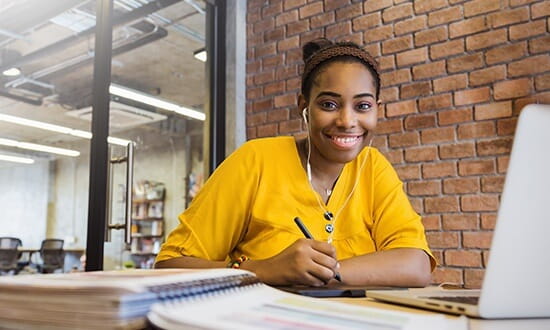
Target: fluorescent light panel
154, 101
58, 129
16, 159
11, 72
38, 147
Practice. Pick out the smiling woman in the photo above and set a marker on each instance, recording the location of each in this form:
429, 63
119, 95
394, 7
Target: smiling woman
345, 192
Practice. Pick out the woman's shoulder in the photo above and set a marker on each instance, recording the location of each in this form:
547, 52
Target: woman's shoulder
270, 145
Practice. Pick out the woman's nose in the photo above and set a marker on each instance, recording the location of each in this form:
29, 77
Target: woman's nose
346, 118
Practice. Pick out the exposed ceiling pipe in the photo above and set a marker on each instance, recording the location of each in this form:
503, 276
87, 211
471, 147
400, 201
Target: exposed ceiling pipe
63, 44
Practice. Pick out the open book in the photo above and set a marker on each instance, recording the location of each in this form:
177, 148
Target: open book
182, 298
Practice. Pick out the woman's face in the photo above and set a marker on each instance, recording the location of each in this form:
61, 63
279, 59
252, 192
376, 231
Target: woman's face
342, 110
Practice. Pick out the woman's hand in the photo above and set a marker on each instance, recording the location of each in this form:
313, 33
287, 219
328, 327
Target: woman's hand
306, 262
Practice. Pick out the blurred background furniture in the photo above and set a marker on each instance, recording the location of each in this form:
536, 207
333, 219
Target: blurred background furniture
9, 255
52, 255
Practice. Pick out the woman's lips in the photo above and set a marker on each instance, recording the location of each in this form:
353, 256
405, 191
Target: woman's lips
345, 141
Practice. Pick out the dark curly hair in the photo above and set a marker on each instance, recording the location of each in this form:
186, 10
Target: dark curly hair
318, 53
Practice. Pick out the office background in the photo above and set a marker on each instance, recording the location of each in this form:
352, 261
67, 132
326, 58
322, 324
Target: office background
455, 75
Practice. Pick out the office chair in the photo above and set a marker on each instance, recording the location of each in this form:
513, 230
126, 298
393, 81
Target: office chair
9, 255
52, 255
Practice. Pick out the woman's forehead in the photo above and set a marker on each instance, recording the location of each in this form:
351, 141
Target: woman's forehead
352, 77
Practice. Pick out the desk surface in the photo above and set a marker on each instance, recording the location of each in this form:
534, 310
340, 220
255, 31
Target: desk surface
474, 324
71, 250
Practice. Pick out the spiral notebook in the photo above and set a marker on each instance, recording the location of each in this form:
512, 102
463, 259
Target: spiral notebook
181, 298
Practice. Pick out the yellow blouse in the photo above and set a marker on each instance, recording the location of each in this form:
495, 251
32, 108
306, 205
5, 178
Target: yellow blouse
248, 205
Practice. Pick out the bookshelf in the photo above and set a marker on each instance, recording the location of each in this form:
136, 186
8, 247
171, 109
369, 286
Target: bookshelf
147, 222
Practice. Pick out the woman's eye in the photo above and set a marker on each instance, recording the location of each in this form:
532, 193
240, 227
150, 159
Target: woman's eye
328, 105
364, 106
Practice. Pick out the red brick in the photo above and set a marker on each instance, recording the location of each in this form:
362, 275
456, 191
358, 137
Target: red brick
457, 150
463, 258
384, 32
507, 126
334, 4
471, 96
424, 188
429, 70
431, 222
449, 117
475, 167
451, 83
477, 7
430, 36
275, 34
266, 130
486, 39
446, 49
410, 25
296, 27
253, 93
479, 203
262, 105
468, 26
543, 98
527, 30
285, 100
488, 221
349, 12
542, 82
380, 141
539, 45
501, 145
290, 126
502, 163
274, 88
416, 89
277, 115
508, 17
395, 77
460, 221
273, 61
266, 50
487, 75
263, 25
476, 130
444, 16
506, 53
436, 135
373, 49
255, 119
447, 275
436, 102
251, 133
417, 205
365, 22
473, 278
286, 17
517, 3
286, 72
422, 154
400, 108
389, 126
442, 239
530, 65
441, 204
394, 13
461, 185
408, 172
493, 110
404, 140
477, 240
540, 9
389, 94
512, 88
338, 29
311, 10
394, 156
322, 20
289, 4
419, 121
398, 44
375, 5
424, 6
491, 184
465, 63
272, 9
438, 170
414, 56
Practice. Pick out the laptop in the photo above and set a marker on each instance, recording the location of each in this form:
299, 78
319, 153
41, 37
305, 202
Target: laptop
517, 278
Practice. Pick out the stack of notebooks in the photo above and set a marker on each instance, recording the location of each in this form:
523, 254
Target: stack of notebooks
181, 298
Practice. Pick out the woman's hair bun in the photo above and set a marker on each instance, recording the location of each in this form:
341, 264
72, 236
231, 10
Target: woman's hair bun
313, 46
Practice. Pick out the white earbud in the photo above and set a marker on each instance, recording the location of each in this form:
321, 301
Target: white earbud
304, 115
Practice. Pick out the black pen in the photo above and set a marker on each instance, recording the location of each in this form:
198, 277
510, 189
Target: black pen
307, 234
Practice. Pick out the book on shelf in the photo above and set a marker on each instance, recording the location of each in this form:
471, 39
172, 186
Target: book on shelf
182, 298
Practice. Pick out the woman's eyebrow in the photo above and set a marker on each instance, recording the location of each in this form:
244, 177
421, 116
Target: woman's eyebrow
333, 94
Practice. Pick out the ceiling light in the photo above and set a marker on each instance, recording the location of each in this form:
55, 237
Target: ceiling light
200, 54
11, 72
15, 159
38, 147
154, 101
58, 129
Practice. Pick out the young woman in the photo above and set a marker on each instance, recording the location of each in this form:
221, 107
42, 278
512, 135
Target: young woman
344, 191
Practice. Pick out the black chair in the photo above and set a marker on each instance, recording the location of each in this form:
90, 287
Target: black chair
52, 255
9, 255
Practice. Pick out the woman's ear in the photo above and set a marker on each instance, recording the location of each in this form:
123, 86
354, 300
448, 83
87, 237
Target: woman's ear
302, 103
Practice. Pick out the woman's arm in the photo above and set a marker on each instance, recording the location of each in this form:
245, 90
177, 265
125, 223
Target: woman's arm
189, 262
405, 267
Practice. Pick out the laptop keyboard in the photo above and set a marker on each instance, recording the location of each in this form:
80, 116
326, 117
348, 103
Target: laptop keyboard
471, 300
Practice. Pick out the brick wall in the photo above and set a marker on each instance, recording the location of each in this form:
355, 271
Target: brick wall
455, 75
